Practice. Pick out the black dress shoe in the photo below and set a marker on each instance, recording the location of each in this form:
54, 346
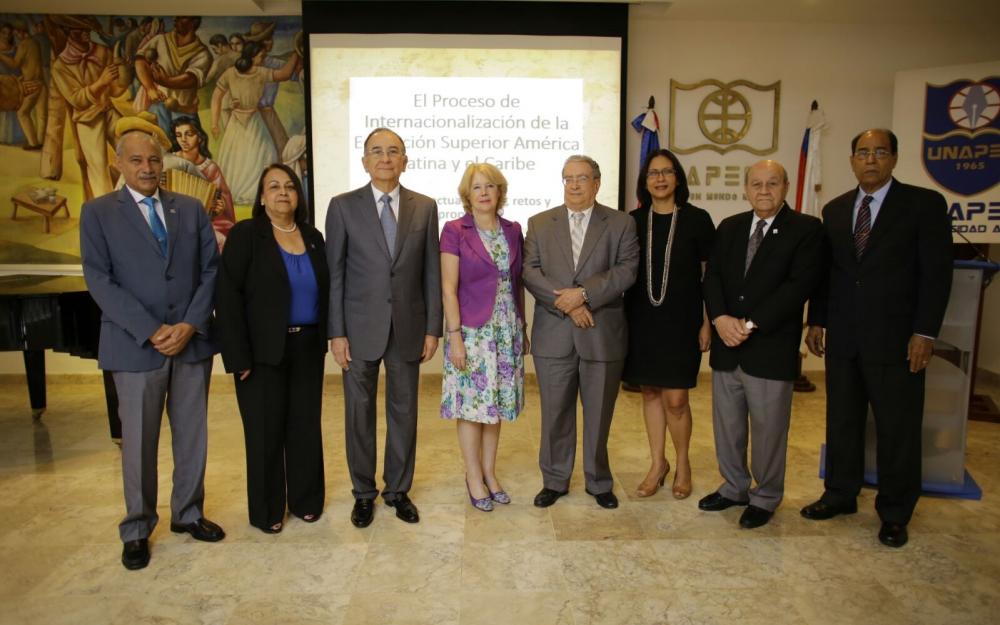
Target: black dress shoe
754, 517
405, 510
716, 502
820, 510
202, 529
135, 554
546, 497
363, 512
605, 500
893, 535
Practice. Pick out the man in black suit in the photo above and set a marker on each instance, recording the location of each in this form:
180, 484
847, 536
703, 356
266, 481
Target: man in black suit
889, 281
765, 264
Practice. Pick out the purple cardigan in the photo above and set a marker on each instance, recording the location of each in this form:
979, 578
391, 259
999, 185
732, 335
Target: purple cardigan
477, 274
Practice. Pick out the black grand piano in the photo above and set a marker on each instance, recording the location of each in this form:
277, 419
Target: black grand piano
57, 313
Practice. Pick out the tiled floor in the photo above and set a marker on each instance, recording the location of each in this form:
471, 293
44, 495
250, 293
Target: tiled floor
655, 560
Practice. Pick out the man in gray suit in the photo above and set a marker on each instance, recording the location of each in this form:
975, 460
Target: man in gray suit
579, 258
149, 259
385, 307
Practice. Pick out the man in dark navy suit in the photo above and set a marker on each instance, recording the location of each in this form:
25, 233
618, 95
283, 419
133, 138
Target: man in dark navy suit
889, 281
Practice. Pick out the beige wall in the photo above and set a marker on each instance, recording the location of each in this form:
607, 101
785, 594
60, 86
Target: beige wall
848, 68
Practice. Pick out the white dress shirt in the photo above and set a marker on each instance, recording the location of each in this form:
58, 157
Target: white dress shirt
393, 197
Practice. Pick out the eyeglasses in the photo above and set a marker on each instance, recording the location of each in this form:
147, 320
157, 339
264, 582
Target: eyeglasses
581, 179
657, 173
379, 153
879, 153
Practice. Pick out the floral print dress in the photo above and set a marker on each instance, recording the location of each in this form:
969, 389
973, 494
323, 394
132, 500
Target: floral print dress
491, 387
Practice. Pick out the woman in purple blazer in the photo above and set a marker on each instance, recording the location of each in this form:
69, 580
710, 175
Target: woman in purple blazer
483, 383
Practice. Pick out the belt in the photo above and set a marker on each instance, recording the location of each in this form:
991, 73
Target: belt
297, 329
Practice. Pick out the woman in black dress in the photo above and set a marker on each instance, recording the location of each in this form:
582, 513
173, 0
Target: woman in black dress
668, 328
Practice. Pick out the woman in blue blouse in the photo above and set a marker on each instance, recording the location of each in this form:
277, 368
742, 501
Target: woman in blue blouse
271, 307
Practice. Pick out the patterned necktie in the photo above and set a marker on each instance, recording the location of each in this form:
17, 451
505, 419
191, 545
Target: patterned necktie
863, 226
755, 240
388, 220
156, 224
576, 236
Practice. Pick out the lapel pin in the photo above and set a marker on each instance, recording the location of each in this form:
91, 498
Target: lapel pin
775, 231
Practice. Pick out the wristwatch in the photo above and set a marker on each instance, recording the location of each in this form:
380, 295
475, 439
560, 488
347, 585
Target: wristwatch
583, 292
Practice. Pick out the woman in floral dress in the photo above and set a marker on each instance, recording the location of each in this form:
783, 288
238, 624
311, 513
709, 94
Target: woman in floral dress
483, 382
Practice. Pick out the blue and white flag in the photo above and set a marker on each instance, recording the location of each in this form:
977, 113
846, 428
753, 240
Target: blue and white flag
649, 125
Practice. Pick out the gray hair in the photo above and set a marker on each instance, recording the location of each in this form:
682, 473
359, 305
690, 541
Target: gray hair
583, 158
120, 144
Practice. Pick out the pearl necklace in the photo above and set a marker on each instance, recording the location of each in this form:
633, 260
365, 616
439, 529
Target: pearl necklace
666, 256
294, 227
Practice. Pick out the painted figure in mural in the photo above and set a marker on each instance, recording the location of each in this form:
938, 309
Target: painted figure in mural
191, 143
263, 33
87, 80
172, 67
294, 157
246, 146
119, 31
10, 128
27, 61
225, 58
51, 39
134, 40
45, 49
236, 43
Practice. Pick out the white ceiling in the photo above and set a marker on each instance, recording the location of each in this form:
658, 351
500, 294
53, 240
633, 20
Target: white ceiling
840, 11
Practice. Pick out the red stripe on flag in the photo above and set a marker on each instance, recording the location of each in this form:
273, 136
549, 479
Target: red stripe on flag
803, 155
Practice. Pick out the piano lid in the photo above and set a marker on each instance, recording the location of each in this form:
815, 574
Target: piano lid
24, 284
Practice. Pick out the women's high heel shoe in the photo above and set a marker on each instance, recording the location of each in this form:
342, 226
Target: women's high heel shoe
681, 492
485, 504
646, 489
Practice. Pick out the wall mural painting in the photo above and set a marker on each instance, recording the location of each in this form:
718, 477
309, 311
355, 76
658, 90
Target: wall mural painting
224, 96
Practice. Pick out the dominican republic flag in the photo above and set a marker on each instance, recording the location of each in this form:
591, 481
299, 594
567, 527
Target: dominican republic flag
648, 124
810, 164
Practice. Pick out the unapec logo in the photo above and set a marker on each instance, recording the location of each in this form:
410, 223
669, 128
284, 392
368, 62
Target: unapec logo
735, 115
961, 149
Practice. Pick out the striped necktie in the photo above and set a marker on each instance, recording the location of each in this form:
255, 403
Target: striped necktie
863, 226
577, 233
